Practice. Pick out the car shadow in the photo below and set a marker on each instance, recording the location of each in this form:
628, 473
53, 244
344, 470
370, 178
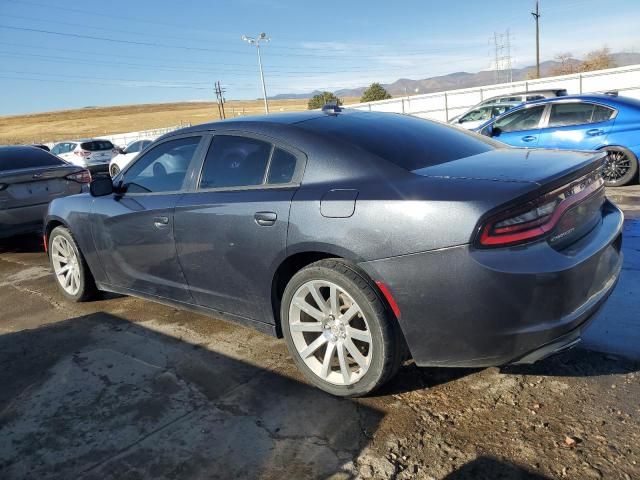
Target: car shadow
29, 243
578, 362
489, 468
97, 396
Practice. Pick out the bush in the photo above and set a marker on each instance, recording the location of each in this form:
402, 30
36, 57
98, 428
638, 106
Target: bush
375, 92
321, 99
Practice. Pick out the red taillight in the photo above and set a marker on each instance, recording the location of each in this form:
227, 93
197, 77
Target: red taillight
82, 153
537, 218
45, 243
83, 176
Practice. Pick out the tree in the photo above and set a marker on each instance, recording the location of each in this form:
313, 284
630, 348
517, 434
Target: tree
375, 92
567, 64
597, 60
321, 99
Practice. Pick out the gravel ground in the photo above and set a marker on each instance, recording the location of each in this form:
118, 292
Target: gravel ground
123, 388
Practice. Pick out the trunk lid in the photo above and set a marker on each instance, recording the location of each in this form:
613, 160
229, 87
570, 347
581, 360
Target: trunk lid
35, 186
541, 166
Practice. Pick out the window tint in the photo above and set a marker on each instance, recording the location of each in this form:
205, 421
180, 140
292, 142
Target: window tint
517, 98
477, 114
563, 114
15, 158
525, 119
409, 142
534, 97
234, 161
282, 167
96, 145
163, 168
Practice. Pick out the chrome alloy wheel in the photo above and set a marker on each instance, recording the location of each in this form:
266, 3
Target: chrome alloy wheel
65, 265
330, 332
616, 165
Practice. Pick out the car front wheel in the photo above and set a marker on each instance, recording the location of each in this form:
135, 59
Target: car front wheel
69, 267
338, 329
620, 167
114, 170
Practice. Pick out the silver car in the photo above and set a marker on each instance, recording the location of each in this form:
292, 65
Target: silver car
29, 179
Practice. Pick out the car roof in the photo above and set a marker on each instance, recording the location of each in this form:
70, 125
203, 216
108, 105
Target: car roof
603, 98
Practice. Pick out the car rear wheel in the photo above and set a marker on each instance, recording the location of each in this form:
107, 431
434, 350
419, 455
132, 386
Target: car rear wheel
114, 170
69, 267
620, 168
338, 329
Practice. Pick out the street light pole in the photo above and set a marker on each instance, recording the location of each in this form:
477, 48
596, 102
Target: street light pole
256, 41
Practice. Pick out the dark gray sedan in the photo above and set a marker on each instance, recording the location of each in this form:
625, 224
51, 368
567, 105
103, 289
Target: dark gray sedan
30, 178
362, 238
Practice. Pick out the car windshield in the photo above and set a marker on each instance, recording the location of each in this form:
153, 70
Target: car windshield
409, 142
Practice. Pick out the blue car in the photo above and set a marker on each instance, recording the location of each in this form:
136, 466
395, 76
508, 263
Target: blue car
580, 122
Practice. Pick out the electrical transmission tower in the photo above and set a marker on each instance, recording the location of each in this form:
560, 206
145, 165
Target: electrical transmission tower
502, 45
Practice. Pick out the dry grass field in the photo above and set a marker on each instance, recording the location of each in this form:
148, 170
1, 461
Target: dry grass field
88, 122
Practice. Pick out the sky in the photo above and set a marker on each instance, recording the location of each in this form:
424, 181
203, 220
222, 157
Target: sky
60, 54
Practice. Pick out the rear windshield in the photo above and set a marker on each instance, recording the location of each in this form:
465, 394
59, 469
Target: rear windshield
96, 145
16, 158
410, 142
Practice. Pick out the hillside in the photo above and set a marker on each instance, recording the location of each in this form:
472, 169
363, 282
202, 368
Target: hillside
456, 80
96, 121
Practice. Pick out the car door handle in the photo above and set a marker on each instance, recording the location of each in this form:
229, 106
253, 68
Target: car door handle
529, 138
160, 222
594, 132
265, 219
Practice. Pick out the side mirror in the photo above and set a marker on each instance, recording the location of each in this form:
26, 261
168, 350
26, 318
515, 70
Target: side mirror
491, 131
100, 186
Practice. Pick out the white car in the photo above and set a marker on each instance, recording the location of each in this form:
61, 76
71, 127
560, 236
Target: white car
477, 116
127, 155
93, 152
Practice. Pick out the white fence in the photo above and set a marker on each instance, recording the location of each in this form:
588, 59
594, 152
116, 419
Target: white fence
445, 105
123, 139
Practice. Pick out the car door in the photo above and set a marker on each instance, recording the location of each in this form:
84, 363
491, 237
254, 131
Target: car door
576, 125
133, 229
520, 128
231, 231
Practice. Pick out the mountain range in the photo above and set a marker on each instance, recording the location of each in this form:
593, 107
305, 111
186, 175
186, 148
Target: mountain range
456, 80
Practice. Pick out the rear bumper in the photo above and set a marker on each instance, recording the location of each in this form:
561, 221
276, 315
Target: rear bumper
16, 221
465, 307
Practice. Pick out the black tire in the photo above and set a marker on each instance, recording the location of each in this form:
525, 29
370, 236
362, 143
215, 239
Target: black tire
387, 341
87, 288
625, 178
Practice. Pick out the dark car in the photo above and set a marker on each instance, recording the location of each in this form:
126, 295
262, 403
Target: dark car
30, 178
362, 238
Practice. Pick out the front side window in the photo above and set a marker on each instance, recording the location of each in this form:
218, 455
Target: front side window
525, 119
235, 161
163, 168
134, 147
565, 114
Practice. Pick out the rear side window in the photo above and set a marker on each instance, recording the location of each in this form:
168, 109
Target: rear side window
282, 167
409, 142
235, 161
95, 145
163, 168
17, 158
564, 114
525, 119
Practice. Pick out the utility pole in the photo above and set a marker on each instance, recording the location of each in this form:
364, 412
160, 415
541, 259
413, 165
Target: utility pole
220, 96
536, 15
256, 41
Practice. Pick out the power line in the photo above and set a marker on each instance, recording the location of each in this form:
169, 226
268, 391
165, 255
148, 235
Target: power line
202, 49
